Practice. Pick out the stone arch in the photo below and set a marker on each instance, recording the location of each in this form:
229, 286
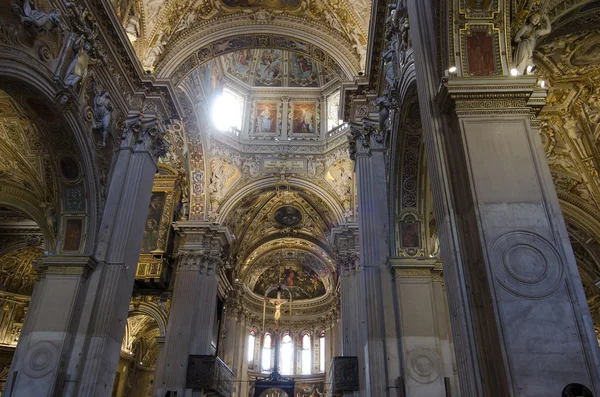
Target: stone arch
407, 184
205, 34
230, 202
20, 70
152, 310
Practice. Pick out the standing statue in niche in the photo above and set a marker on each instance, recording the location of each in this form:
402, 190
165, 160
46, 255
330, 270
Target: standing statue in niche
102, 114
526, 39
78, 68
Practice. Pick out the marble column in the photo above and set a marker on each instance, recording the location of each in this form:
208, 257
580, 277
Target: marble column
192, 315
72, 337
379, 339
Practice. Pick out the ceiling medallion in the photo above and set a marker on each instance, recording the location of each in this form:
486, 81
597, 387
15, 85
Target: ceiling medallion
288, 216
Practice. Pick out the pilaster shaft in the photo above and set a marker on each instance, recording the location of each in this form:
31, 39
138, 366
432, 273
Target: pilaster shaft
518, 262
191, 320
367, 148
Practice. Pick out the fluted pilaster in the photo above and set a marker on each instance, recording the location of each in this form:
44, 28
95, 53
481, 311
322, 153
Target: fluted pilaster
191, 320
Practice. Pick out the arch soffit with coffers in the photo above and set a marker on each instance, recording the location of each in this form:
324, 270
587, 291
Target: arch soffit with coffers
20, 68
16, 197
260, 264
152, 311
288, 243
583, 229
230, 203
205, 34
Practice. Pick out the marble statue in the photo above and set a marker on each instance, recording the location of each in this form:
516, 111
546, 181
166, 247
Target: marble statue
526, 39
133, 29
154, 52
33, 17
79, 66
102, 114
51, 219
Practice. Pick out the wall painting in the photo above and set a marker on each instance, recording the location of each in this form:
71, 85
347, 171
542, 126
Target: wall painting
480, 54
73, 231
155, 210
303, 121
266, 117
303, 282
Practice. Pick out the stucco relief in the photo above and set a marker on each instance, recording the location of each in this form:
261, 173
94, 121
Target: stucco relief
223, 175
526, 264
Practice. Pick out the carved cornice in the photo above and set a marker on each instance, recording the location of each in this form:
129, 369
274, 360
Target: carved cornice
502, 95
65, 265
410, 268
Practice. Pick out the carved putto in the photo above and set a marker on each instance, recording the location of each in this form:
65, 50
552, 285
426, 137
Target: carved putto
35, 18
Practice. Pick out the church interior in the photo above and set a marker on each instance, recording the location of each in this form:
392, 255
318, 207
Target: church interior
299, 198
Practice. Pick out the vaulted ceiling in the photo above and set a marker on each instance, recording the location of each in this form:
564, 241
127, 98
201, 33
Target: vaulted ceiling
157, 27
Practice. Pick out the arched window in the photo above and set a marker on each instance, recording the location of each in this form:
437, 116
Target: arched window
266, 352
306, 361
333, 110
322, 352
287, 355
251, 341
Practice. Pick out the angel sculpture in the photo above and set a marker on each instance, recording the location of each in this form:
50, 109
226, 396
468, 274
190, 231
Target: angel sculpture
79, 66
102, 114
33, 17
526, 39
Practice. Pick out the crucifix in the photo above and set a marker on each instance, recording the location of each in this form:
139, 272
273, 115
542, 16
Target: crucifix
276, 302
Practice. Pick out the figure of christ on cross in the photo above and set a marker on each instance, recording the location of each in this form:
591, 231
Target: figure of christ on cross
277, 303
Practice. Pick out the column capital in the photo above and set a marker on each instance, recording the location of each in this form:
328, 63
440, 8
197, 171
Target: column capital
206, 262
499, 95
203, 236
346, 245
365, 138
344, 238
144, 132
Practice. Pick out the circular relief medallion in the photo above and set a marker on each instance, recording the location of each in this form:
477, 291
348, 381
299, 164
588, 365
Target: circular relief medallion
423, 365
526, 264
69, 168
288, 216
40, 359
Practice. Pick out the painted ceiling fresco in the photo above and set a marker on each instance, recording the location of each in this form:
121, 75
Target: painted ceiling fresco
273, 4
275, 68
303, 282
151, 24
